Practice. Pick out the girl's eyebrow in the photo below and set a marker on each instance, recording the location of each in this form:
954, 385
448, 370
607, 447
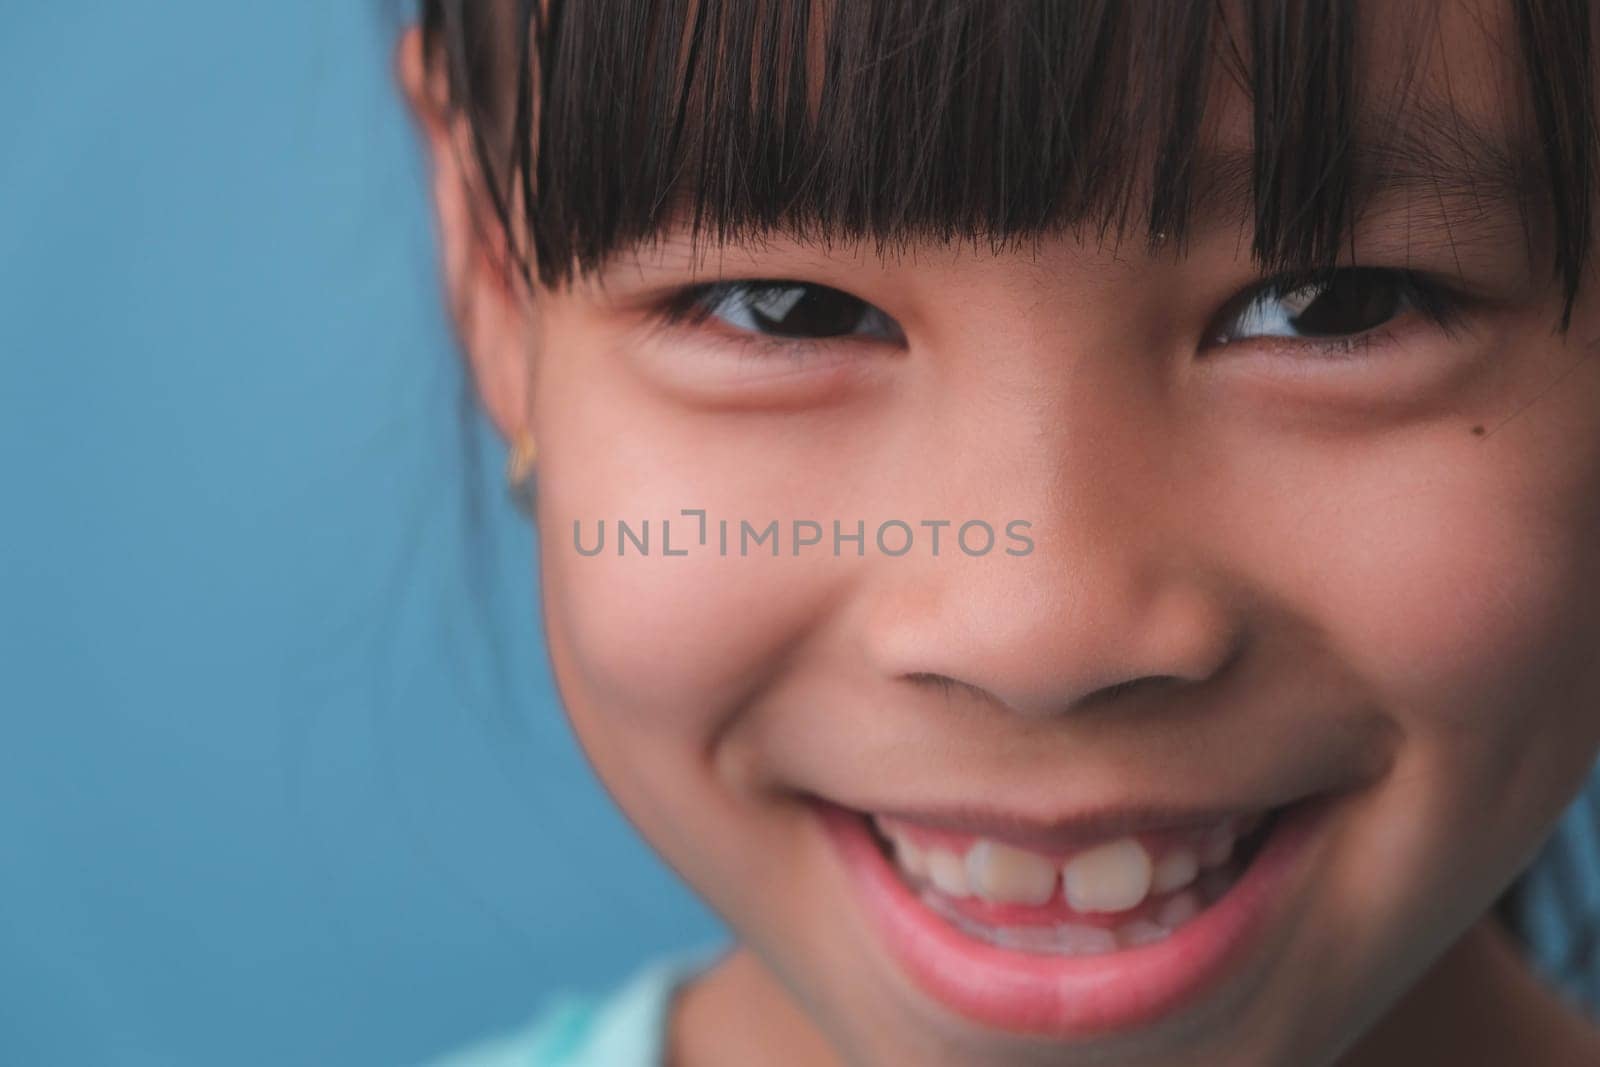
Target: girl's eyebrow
1467, 172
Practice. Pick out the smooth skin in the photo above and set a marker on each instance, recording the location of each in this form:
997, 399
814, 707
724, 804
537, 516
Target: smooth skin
1371, 573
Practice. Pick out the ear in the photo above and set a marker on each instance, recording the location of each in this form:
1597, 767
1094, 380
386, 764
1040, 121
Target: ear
493, 313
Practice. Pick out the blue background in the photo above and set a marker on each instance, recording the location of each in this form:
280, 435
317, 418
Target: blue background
283, 779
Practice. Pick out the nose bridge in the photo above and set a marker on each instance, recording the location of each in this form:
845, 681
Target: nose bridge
1113, 589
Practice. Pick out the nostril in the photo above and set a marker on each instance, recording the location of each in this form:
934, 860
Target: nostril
1105, 695
1111, 692
947, 684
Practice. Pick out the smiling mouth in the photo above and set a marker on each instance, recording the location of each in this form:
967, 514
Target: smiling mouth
1082, 927
1090, 898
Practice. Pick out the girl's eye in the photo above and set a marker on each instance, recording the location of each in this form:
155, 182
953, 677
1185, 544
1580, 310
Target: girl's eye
783, 309
1338, 306
1340, 309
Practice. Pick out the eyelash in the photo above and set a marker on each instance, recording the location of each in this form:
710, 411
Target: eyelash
695, 304
1439, 305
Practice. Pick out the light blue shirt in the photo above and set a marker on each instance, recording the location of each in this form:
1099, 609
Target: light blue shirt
625, 1028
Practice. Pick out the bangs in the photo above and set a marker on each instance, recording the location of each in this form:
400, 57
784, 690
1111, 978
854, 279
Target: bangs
600, 125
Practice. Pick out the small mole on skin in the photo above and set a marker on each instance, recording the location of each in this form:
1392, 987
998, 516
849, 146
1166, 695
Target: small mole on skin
1478, 430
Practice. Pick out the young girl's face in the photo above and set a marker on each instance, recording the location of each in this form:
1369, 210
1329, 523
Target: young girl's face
1272, 671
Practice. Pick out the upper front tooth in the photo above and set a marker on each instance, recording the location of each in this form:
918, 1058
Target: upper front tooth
947, 872
1002, 874
1112, 877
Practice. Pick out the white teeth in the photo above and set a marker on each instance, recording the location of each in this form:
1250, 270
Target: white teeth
1067, 939
1218, 844
1004, 875
911, 858
1115, 877
1140, 932
1079, 940
1027, 938
1175, 870
947, 872
1179, 910
1110, 877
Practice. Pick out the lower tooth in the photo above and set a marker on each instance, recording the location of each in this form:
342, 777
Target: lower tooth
940, 904
1026, 938
1179, 910
1140, 932
1067, 939
1077, 940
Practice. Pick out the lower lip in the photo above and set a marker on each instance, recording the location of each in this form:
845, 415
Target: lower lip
1082, 996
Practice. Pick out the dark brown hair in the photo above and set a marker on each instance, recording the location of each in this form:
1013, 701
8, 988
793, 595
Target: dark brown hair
596, 123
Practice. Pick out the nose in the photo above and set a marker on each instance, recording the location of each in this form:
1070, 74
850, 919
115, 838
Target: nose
1118, 592
1060, 636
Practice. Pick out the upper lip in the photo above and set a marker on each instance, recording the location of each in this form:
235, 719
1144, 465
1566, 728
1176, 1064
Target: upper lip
1068, 830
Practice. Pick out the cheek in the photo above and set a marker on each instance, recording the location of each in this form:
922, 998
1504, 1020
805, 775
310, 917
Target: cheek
1482, 641
1465, 599
670, 644
1473, 614
1453, 585
1481, 586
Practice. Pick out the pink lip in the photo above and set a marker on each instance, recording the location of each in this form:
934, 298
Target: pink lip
1071, 997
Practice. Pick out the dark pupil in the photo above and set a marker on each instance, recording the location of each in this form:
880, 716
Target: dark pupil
804, 310
1350, 302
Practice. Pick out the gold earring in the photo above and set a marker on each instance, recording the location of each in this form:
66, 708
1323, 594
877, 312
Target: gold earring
520, 471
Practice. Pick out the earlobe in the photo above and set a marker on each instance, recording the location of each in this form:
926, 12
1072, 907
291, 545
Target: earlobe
521, 475
493, 321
